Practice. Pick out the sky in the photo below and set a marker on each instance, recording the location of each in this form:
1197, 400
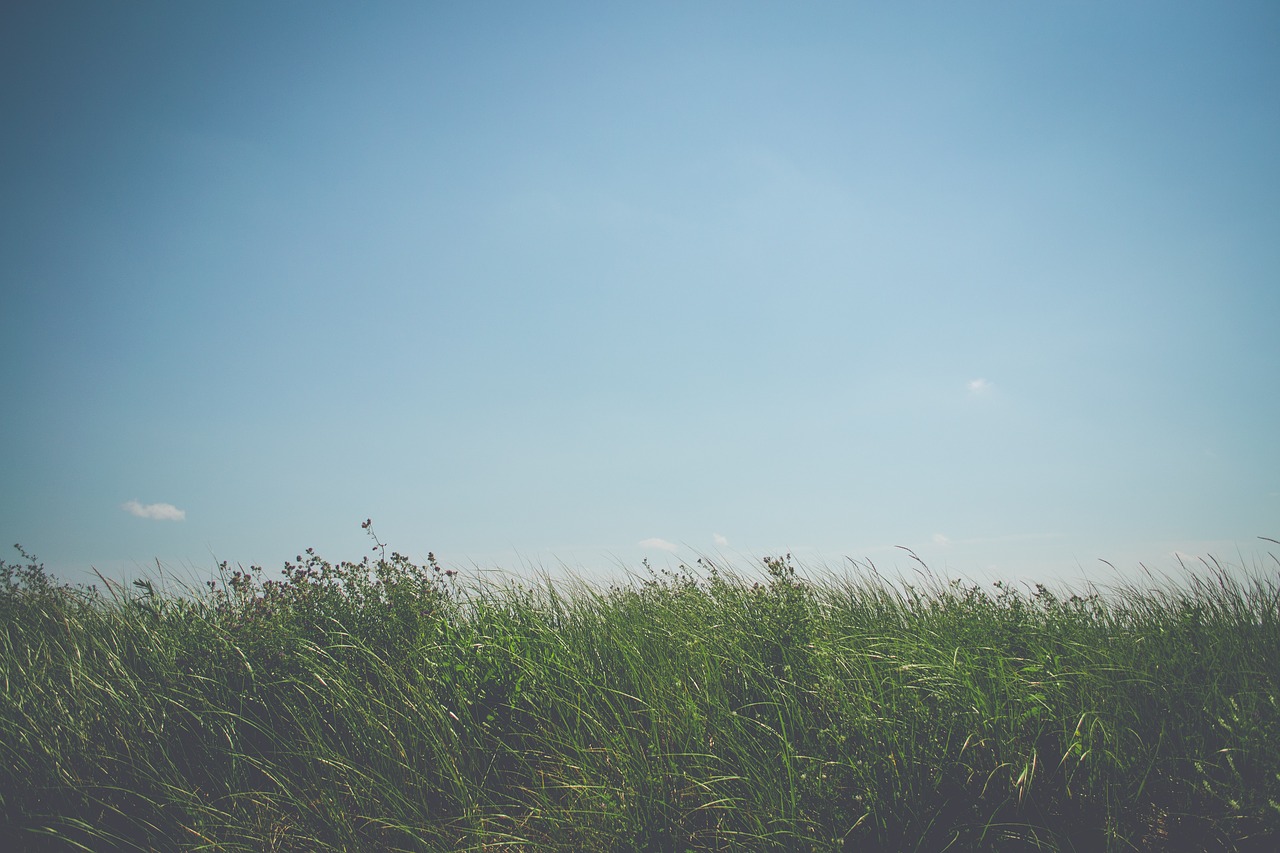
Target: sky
542, 286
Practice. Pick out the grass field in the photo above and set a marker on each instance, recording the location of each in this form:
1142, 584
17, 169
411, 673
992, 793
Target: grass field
384, 705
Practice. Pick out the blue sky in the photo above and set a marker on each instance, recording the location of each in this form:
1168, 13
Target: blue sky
580, 284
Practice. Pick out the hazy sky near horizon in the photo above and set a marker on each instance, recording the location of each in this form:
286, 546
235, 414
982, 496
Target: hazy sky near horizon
578, 284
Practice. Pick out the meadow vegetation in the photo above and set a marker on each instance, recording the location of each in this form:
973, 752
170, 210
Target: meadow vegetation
387, 705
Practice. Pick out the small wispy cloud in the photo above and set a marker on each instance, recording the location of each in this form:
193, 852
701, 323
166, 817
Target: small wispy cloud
978, 386
720, 540
658, 544
156, 512
941, 539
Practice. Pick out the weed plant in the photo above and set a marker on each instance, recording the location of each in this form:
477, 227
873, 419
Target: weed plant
385, 705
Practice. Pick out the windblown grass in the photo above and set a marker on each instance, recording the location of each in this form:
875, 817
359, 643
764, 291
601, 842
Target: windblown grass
382, 706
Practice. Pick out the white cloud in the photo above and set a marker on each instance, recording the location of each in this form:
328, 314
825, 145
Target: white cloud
157, 512
659, 544
720, 540
940, 539
978, 386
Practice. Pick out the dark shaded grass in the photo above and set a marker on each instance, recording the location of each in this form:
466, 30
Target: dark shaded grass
378, 705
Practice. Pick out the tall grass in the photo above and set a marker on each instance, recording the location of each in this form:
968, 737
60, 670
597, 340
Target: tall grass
383, 705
